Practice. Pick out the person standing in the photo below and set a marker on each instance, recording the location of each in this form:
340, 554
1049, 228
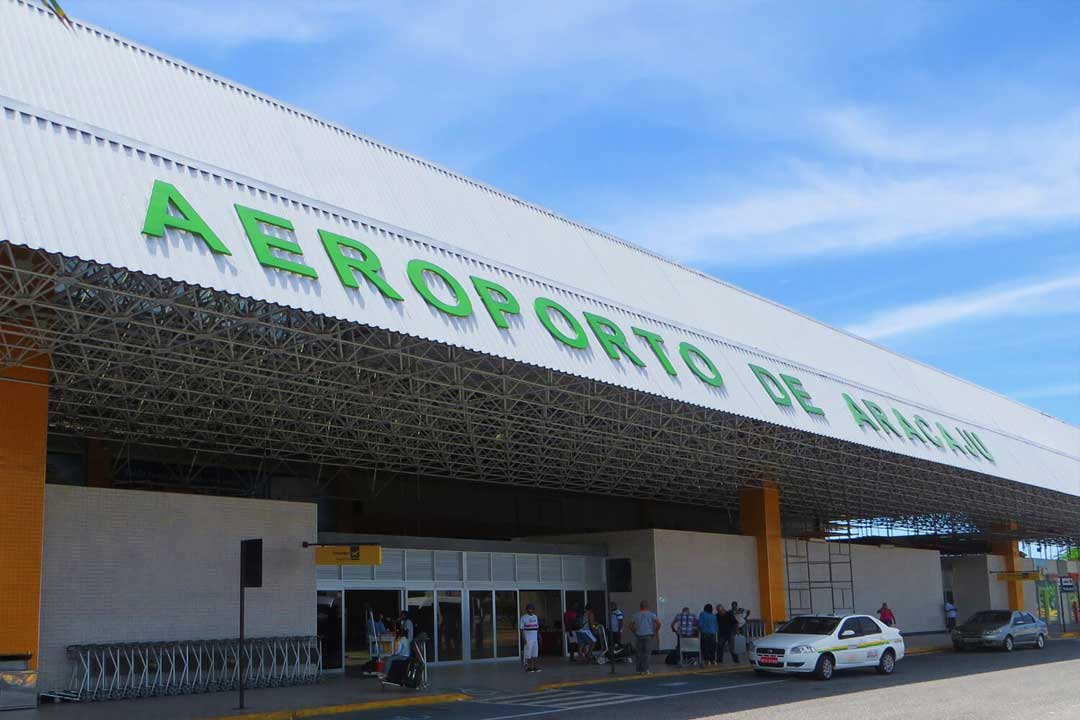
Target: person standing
726, 629
708, 627
684, 624
886, 616
950, 616
616, 624
529, 626
644, 625
570, 628
407, 624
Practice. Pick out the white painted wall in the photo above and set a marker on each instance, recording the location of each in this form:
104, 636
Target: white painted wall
674, 568
908, 580
694, 568
126, 565
639, 547
970, 583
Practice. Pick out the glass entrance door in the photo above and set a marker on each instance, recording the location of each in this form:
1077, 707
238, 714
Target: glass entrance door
449, 627
481, 625
507, 613
548, 611
329, 628
364, 610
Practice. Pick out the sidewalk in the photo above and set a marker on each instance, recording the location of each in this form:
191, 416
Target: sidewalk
448, 684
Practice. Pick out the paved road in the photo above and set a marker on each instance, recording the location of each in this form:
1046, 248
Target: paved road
979, 686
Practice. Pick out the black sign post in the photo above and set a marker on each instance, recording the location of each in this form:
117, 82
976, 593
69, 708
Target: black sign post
250, 576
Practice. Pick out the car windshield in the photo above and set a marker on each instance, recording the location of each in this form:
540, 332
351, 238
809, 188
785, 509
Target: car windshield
987, 617
810, 626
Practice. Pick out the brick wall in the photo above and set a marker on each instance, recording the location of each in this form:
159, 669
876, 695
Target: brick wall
126, 565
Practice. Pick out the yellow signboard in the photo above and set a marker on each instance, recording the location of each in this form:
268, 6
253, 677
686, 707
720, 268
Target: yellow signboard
348, 555
1035, 575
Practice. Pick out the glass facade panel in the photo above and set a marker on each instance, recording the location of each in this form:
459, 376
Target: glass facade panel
481, 623
422, 613
506, 623
449, 625
597, 601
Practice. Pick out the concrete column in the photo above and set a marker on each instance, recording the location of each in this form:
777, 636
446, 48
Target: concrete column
759, 515
1010, 550
24, 407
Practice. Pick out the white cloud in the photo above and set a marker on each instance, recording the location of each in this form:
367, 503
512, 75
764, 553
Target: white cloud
883, 187
1039, 296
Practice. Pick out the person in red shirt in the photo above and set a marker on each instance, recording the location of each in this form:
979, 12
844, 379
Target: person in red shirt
570, 627
885, 615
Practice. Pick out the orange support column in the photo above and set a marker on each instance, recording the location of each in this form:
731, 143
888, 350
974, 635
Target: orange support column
759, 515
1010, 550
24, 405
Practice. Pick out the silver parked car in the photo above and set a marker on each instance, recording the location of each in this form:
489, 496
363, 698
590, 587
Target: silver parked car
1003, 629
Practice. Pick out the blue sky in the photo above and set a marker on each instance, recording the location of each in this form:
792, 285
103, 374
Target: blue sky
908, 171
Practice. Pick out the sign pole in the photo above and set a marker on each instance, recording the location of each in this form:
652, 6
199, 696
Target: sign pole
251, 552
240, 652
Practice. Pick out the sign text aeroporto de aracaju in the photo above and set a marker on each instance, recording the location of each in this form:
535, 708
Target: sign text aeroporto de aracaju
355, 262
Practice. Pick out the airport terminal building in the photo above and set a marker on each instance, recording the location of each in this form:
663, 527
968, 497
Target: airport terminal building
224, 318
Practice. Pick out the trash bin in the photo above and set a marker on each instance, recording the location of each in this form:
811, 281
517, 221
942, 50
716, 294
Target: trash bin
18, 685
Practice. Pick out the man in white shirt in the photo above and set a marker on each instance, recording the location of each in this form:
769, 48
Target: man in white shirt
950, 616
616, 624
529, 625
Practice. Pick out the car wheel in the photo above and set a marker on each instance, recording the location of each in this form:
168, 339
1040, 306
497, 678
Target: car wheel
958, 647
760, 673
825, 667
1007, 646
887, 663
1040, 641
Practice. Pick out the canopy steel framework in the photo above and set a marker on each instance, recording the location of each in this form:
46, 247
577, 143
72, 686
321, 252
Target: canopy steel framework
151, 362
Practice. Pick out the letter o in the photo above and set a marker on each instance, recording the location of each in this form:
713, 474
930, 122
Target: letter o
463, 305
544, 306
713, 377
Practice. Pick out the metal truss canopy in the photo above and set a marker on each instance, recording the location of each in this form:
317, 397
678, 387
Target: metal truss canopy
152, 362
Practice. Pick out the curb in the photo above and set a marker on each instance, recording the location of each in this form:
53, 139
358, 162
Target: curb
340, 709
927, 650
635, 676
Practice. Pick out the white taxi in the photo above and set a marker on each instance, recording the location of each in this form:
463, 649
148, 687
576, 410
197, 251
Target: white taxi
822, 644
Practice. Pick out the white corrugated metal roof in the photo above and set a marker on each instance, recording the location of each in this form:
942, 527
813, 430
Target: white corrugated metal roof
92, 120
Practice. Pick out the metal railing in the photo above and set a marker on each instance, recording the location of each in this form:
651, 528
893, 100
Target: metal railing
129, 670
754, 629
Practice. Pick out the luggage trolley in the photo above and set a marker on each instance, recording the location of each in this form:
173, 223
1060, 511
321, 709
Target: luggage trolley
411, 674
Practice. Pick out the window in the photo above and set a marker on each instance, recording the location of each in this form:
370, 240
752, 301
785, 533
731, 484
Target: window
1021, 619
1028, 619
619, 578
853, 624
869, 626
810, 625
987, 617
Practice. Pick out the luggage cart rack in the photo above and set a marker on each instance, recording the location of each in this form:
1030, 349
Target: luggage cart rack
111, 671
